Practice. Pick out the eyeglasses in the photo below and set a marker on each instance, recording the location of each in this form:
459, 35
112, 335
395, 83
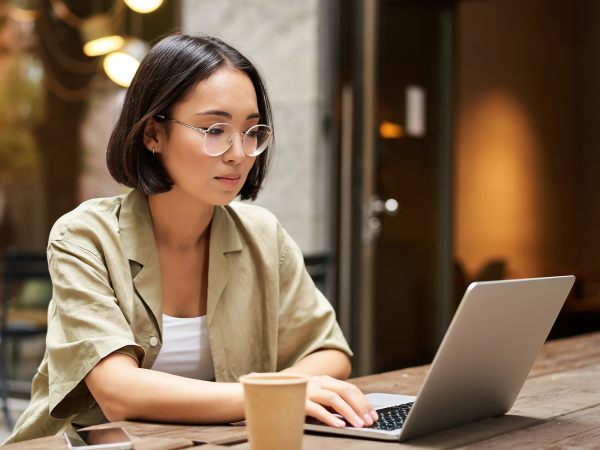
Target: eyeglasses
219, 138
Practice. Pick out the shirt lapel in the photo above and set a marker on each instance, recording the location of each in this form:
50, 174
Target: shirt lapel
137, 238
224, 239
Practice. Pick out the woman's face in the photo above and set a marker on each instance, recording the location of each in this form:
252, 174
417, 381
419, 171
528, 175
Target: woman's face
227, 96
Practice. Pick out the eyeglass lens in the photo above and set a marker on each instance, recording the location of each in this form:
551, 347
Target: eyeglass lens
220, 137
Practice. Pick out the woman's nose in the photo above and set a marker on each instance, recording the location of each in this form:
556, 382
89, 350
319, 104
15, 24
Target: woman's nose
236, 151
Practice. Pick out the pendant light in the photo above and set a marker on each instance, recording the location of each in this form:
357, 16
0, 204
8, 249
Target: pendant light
121, 66
98, 36
143, 6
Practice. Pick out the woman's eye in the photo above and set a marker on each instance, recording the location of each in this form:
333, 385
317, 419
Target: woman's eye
215, 132
252, 134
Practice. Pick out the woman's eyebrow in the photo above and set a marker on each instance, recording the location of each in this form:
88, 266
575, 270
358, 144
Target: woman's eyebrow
215, 112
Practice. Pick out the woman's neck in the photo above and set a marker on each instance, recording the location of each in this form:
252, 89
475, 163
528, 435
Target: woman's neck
179, 221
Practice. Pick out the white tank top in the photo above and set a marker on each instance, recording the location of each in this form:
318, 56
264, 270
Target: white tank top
185, 349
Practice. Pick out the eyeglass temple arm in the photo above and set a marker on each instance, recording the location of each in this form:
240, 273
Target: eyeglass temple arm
181, 123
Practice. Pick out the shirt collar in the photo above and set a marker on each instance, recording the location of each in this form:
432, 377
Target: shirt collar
137, 239
137, 234
135, 227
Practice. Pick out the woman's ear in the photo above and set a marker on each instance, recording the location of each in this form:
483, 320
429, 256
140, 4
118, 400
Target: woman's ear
153, 136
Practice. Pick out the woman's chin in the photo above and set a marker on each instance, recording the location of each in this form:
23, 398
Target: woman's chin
224, 199
215, 197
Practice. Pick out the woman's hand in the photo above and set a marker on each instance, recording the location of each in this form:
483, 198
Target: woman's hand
344, 398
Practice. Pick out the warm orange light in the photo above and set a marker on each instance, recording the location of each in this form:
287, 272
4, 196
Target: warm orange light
121, 68
99, 37
389, 130
499, 186
143, 6
103, 45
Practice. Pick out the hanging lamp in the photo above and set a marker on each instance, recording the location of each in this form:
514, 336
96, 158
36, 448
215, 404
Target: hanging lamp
121, 66
143, 6
98, 36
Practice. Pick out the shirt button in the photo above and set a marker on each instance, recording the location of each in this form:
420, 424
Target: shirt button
153, 341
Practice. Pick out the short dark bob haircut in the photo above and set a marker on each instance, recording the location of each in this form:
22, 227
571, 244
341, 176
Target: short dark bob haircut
166, 76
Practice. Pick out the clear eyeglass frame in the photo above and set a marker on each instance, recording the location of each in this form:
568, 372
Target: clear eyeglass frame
243, 134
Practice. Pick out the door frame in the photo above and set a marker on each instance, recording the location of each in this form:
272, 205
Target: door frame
352, 171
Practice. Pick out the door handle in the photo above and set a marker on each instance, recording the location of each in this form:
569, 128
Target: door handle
371, 211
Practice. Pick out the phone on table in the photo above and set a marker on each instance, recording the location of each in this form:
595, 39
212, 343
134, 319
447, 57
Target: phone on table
106, 438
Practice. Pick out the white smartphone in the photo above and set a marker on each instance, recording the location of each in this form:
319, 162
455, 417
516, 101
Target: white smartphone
106, 438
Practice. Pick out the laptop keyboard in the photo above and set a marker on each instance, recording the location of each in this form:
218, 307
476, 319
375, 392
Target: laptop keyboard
391, 418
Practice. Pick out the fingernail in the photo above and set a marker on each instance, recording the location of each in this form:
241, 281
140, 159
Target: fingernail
358, 422
340, 423
374, 415
368, 420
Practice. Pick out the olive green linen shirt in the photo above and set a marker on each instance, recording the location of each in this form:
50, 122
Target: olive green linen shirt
263, 311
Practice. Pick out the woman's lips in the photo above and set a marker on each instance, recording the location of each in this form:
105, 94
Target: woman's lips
229, 181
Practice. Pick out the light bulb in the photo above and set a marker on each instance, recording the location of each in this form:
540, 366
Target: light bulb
143, 6
389, 130
103, 45
121, 67
98, 36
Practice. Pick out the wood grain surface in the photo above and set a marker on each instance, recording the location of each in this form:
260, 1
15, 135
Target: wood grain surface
219, 434
46, 443
558, 407
223, 435
566, 354
162, 444
579, 430
135, 428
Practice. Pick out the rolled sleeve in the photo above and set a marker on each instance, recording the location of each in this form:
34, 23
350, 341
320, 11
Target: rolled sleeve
86, 324
307, 320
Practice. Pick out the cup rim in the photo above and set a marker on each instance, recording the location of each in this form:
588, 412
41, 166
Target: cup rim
274, 378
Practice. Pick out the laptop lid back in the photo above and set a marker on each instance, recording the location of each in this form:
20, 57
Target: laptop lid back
487, 352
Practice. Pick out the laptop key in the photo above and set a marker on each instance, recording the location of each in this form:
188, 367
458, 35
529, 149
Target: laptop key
391, 418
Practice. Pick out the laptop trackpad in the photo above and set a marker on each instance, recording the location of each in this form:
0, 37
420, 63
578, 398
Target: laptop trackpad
380, 401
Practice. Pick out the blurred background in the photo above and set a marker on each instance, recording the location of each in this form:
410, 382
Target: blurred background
421, 145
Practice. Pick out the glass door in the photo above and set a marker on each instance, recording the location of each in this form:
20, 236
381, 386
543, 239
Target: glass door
394, 179
412, 171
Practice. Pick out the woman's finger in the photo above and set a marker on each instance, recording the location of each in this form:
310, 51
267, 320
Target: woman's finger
353, 396
333, 400
318, 412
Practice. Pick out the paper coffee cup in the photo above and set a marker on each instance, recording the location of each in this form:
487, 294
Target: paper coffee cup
274, 406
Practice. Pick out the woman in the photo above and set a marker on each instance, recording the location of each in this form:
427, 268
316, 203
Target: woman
161, 291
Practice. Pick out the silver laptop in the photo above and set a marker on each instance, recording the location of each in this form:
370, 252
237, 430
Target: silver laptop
481, 365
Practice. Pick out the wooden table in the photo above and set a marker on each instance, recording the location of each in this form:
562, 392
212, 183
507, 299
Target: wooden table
558, 407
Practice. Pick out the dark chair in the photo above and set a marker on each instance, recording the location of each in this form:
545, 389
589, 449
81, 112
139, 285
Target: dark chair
20, 320
317, 267
492, 271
